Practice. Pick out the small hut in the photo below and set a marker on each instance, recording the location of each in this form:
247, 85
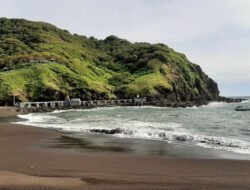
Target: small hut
53, 60
34, 61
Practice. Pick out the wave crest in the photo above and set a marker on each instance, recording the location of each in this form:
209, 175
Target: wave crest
130, 127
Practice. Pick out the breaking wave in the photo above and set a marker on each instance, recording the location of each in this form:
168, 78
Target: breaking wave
214, 104
132, 128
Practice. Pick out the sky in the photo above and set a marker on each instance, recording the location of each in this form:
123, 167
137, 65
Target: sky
214, 34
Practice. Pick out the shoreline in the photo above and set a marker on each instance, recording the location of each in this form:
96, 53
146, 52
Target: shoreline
160, 103
174, 150
26, 157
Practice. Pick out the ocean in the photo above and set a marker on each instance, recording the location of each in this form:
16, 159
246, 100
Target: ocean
216, 126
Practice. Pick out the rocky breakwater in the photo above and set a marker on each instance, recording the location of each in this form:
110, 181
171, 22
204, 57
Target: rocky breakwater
231, 100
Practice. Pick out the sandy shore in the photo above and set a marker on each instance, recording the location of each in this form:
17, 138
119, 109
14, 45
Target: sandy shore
27, 163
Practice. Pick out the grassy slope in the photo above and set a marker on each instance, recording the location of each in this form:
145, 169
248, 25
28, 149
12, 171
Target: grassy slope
89, 68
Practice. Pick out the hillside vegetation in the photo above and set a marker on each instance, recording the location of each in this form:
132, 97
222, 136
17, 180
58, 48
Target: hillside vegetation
39, 61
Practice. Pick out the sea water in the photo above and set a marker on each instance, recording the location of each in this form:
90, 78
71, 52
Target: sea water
213, 126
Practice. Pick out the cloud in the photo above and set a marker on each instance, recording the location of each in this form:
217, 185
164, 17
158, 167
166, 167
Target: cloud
214, 34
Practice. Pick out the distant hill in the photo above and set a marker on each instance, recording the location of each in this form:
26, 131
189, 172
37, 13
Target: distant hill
39, 61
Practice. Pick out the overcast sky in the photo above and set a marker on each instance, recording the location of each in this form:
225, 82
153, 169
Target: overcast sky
214, 34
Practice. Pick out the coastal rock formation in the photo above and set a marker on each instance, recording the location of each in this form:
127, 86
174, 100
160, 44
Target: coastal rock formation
39, 61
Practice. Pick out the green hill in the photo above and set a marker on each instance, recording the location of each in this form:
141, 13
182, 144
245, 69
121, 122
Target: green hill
39, 61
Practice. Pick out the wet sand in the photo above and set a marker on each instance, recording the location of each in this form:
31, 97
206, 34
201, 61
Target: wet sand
27, 162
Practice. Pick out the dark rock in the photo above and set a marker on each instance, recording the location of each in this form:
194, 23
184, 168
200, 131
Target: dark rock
230, 100
106, 131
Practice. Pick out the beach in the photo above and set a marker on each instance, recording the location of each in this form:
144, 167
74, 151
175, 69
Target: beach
27, 162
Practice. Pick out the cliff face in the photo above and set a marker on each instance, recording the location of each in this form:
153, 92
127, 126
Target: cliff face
41, 62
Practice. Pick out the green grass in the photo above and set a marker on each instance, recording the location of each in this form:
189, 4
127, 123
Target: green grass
89, 68
28, 82
146, 84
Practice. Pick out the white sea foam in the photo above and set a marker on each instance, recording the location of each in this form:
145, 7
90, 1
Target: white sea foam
214, 104
245, 101
176, 134
69, 110
170, 132
108, 108
146, 107
193, 107
41, 118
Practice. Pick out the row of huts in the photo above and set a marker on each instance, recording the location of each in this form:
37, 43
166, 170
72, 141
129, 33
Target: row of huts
78, 103
33, 61
42, 61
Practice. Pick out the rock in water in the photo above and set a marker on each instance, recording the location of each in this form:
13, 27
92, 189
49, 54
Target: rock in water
106, 131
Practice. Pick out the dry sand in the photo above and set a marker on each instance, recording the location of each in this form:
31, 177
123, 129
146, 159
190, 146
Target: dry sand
26, 163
